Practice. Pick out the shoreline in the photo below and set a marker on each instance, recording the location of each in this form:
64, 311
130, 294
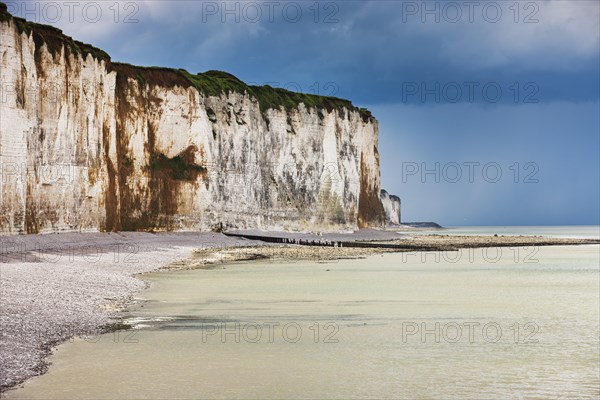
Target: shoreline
55, 287
290, 252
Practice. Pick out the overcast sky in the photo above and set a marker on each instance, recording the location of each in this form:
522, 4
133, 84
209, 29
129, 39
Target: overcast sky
488, 111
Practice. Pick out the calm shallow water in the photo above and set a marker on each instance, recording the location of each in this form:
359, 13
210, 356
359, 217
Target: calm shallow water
584, 231
503, 324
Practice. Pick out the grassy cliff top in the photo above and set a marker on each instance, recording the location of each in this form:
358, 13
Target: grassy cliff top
53, 37
210, 83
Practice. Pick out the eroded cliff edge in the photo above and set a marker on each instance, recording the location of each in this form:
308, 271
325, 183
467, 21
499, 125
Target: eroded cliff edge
90, 144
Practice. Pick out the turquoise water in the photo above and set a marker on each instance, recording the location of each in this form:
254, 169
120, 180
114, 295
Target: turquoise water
509, 324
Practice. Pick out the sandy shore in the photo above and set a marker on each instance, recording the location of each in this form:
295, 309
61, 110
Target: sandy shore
210, 257
59, 286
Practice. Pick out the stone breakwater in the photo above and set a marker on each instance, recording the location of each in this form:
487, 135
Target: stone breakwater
90, 144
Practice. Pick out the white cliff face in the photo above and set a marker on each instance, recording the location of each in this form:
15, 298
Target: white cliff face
51, 137
84, 146
391, 206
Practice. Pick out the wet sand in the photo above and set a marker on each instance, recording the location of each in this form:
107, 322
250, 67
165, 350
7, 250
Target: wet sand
210, 257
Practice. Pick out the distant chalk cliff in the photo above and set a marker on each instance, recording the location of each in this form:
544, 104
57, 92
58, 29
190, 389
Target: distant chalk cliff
391, 205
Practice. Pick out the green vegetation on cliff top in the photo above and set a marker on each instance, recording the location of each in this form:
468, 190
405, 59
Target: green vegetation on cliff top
210, 83
51, 36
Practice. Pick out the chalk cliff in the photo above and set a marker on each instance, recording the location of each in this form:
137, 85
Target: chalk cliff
90, 144
391, 206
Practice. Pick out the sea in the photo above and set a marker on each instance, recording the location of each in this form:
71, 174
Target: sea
510, 323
